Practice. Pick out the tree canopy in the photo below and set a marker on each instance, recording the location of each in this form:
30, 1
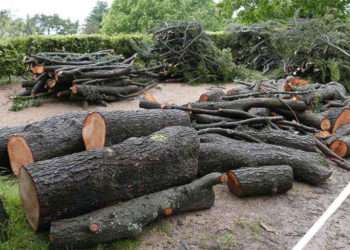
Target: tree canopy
142, 15
93, 22
250, 11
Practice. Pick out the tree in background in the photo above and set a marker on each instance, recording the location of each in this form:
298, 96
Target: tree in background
250, 11
10, 26
142, 15
35, 25
93, 22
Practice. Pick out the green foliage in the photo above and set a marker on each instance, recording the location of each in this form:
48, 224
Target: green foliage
93, 22
142, 15
252, 11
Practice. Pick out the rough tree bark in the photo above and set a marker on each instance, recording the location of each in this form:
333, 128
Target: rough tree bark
76, 184
271, 136
265, 180
248, 103
128, 219
220, 154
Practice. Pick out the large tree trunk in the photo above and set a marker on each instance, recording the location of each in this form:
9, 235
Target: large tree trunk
3, 222
109, 128
266, 180
213, 95
220, 154
248, 103
270, 136
79, 183
128, 219
56, 136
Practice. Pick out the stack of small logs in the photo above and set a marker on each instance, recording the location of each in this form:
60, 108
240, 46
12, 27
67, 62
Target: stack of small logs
97, 77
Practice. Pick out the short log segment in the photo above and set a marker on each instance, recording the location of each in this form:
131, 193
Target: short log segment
3, 222
56, 136
109, 128
213, 95
341, 146
128, 219
79, 183
266, 180
336, 118
221, 154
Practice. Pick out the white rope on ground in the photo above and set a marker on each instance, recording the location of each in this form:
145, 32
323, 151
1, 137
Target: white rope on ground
323, 219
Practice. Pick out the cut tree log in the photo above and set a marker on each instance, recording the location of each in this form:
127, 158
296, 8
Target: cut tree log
341, 146
335, 118
5, 133
265, 180
307, 117
271, 136
213, 95
221, 154
4, 219
128, 219
75, 184
248, 103
326, 92
55, 136
109, 128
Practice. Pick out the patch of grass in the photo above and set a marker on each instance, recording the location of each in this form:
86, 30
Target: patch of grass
7, 80
227, 241
164, 227
21, 236
253, 226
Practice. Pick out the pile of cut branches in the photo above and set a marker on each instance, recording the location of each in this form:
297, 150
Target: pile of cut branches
189, 54
97, 77
290, 113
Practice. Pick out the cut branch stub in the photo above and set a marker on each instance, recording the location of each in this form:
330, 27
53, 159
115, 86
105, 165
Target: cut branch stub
94, 131
265, 180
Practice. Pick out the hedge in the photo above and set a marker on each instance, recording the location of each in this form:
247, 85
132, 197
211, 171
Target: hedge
12, 51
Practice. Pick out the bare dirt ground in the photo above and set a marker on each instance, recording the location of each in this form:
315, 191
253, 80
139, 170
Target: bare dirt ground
255, 223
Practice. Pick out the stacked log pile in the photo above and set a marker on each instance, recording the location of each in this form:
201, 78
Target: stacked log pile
271, 123
97, 77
